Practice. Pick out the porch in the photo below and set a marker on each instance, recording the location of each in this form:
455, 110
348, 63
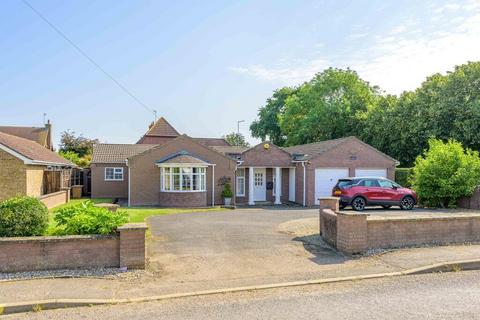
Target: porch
264, 183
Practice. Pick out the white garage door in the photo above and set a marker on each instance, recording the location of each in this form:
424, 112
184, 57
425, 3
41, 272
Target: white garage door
371, 173
325, 180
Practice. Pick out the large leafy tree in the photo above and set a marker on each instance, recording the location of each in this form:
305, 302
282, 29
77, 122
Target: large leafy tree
267, 127
329, 106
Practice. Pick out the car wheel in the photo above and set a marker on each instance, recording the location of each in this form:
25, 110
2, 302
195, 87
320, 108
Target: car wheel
358, 204
386, 207
407, 203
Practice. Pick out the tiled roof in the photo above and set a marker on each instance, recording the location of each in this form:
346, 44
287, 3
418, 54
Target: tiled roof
182, 157
32, 150
117, 153
312, 149
161, 128
37, 134
229, 149
212, 141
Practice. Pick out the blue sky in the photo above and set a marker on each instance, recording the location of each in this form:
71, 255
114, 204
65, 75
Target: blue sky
206, 64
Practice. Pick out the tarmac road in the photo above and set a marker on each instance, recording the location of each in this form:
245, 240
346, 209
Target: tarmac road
431, 296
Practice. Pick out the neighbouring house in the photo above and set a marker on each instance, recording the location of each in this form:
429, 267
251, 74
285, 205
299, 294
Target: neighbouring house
166, 168
41, 135
28, 168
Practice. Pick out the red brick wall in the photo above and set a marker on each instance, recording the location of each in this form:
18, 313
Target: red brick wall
74, 252
108, 189
45, 253
52, 200
357, 232
183, 199
389, 233
145, 174
258, 156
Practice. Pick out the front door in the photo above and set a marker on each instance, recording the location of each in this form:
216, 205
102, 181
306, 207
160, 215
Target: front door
259, 184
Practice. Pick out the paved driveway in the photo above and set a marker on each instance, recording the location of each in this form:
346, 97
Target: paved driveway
237, 246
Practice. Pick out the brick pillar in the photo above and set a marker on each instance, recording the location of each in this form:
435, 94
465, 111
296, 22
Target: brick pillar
352, 232
67, 194
331, 203
132, 245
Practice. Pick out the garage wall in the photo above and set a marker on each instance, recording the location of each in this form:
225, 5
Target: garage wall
350, 154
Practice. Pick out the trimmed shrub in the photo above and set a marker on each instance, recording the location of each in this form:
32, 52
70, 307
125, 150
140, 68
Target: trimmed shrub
85, 218
403, 176
445, 173
23, 217
227, 191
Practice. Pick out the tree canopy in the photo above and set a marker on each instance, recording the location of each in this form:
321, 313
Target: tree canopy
338, 103
236, 139
76, 148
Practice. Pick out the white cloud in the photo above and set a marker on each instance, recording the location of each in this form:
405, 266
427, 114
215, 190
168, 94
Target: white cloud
285, 75
399, 59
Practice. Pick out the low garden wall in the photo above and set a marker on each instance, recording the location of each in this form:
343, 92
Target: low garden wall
126, 248
55, 199
353, 232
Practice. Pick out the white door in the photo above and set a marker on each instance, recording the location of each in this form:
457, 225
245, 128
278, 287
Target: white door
326, 179
291, 184
371, 173
259, 184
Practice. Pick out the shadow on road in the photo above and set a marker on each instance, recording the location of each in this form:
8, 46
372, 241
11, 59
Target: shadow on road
323, 252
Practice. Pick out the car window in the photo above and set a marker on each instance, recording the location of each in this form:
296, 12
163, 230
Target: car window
385, 184
344, 183
369, 183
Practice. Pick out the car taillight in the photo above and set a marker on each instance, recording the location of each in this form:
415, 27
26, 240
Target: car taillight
337, 192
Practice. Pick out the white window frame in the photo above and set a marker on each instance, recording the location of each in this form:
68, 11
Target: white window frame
240, 192
202, 175
116, 170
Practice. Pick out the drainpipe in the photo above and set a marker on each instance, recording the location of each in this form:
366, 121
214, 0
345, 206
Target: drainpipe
126, 162
304, 182
213, 186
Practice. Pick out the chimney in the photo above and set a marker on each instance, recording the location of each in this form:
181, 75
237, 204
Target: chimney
49, 141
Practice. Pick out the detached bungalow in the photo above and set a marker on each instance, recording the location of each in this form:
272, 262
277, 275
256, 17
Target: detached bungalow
28, 168
168, 169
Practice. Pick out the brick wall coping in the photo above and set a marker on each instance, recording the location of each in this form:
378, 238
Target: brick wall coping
327, 198
350, 213
419, 217
56, 238
43, 196
133, 226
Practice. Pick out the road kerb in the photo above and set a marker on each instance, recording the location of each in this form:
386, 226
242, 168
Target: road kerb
48, 304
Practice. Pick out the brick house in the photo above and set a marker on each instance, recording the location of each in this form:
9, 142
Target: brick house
168, 169
28, 168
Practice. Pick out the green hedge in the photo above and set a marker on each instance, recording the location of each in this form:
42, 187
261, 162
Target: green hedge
402, 176
23, 217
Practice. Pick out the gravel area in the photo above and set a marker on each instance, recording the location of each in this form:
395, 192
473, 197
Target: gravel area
105, 273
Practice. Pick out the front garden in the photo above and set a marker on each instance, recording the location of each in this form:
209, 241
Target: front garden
27, 216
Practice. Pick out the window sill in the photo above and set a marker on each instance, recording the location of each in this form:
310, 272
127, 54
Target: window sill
182, 191
113, 180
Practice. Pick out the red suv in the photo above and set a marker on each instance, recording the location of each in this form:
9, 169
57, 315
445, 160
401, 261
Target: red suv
360, 192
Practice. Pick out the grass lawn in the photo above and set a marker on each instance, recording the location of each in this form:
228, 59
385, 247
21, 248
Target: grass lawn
136, 214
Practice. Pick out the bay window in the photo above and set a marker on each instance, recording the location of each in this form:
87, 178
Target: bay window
183, 179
